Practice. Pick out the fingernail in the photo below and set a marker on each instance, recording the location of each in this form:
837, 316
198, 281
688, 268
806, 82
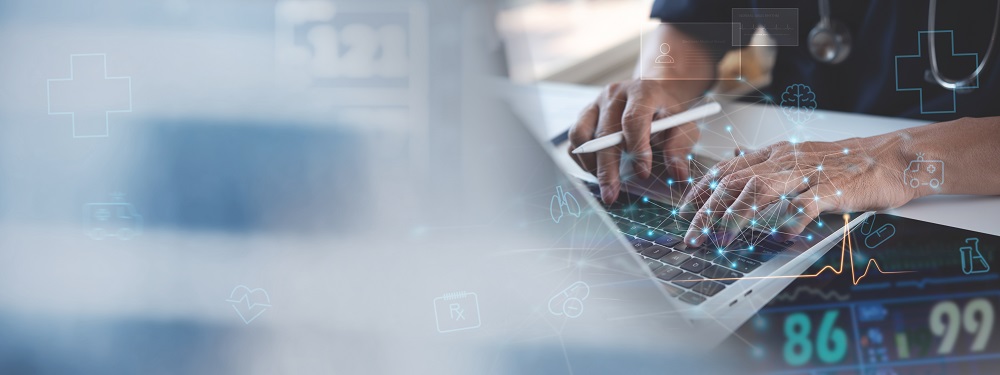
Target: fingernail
642, 170
692, 237
608, 194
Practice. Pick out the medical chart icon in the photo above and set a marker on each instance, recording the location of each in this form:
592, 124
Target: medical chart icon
89, 96
924, 172
664, 57
972, 260
565, 203
249, 303
457, 311
112, 219
875, 237
569, 301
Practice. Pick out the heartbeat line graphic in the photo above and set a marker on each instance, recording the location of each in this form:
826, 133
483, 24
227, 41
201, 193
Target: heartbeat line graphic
845, 247
826, 296
250, 305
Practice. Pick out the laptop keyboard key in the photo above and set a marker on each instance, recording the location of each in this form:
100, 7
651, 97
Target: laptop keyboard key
653, 264
738, 263
666, 273
770, 246
648, 234
756, 254
707, 254
720, 272
687, 248
687, 280
673, 291
674, 258
669, 240
692, 298
639, 245
708, 288
695, 265
655, 251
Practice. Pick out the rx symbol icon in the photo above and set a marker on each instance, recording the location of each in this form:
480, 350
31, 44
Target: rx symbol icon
457, 313
89, 96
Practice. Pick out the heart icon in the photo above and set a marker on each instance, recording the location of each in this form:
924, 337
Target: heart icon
249, 303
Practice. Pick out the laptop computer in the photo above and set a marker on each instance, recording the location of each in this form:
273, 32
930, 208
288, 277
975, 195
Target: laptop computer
716, 288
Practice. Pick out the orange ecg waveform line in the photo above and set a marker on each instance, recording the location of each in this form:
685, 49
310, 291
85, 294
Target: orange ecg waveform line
845, 245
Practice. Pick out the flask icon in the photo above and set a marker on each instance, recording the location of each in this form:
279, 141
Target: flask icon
564, 203
972, 259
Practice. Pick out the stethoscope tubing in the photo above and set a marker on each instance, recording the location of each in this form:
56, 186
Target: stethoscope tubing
935, 72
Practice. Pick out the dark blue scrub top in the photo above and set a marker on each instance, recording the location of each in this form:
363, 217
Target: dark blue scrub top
881, 31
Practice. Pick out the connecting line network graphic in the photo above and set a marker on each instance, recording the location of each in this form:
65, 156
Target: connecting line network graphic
846, 246
800, 193
764, 222
584, 253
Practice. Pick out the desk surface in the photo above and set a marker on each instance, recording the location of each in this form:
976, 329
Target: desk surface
550, 108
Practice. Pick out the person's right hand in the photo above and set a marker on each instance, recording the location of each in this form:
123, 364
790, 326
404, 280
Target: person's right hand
631, 106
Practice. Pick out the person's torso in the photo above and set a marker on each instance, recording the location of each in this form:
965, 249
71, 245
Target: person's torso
886, 72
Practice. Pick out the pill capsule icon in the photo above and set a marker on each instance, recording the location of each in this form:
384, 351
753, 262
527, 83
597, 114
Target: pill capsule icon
569, 301
880, 235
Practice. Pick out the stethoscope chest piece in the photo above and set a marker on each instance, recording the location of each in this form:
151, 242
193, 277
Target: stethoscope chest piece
829, 40
830, 44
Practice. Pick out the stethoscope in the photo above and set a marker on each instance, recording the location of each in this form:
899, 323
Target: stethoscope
830, 42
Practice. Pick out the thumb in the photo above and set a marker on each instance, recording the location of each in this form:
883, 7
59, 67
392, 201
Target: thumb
677, 146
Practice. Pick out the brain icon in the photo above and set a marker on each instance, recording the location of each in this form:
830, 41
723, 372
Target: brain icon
798, 102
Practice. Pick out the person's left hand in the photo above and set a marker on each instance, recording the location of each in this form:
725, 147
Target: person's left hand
813, 177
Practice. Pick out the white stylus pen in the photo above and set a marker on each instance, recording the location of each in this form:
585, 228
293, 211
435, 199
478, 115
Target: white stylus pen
657, 126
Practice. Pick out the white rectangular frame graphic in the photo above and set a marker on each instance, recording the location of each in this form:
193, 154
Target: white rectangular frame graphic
776, 44
643, 61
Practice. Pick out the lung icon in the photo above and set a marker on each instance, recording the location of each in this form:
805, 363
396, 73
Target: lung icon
563, 203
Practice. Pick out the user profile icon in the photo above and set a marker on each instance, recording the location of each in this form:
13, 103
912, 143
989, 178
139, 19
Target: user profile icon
664, 57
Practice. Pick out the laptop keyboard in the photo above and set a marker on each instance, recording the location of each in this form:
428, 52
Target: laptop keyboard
692, 274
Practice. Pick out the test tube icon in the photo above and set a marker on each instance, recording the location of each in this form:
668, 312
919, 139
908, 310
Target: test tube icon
972, 259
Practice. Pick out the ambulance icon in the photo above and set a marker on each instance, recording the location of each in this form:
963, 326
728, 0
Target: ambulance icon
924, 172
112, 219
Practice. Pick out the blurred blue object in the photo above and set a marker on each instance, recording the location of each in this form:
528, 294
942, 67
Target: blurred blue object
239, 177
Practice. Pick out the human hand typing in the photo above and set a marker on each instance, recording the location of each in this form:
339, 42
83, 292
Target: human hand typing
802, 179
631, 107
